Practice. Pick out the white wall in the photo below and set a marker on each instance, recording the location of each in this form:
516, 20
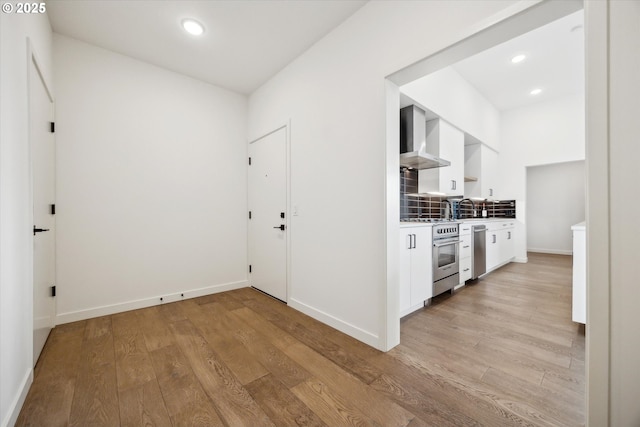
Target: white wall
451, 97
16, 244
151, 181
540, 134
555, 202
334, 95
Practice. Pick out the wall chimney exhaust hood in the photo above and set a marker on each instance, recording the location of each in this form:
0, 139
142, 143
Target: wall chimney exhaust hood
413, 139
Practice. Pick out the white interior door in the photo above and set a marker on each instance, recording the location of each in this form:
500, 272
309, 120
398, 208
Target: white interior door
43, 180
268, 214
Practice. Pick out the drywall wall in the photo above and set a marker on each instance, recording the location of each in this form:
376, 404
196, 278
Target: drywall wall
555, 202
16, 244
334, 95
152, 188
451, 97
540, 134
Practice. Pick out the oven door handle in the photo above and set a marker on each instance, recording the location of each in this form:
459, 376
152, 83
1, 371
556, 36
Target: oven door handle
437, 245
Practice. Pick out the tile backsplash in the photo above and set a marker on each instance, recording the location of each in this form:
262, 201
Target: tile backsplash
413, 205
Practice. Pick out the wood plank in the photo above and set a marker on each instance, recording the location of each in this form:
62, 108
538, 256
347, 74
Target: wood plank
383, 411
185, 400
329, 405
233, 402
559, 407
281, 405
155, 328
143, 406
209, 318
286, 370
133, 365
95, 400
171, 312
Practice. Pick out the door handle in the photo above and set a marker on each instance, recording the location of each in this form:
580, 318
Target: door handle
281, 227
38, 230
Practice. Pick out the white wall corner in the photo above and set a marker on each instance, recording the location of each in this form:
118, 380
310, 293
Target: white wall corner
18, 400
358, 333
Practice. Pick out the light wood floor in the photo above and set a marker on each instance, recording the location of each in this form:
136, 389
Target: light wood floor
500, 352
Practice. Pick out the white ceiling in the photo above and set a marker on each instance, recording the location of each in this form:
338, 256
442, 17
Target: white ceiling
554, 63
245, 41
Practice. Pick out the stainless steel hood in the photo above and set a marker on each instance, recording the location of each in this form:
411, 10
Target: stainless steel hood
413, 141
422, 160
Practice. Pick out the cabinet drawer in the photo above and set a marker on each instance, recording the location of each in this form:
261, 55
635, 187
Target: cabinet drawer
465, 246
465, 269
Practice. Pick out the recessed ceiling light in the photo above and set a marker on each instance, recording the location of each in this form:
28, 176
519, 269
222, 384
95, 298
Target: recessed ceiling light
518, 58
536, 91
192, 27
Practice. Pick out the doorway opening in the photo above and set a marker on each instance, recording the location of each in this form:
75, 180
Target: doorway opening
428, 85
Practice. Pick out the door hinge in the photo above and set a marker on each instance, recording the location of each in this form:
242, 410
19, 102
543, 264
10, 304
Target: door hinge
52, 127
249, 268
53, 209
249, 214
281, 214
249, 161
53, 291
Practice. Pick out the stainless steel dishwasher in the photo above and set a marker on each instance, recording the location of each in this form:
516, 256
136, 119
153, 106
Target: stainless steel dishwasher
479, 245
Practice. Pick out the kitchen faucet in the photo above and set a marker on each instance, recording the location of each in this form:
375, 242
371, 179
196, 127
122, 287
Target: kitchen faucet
450, 216
473, 207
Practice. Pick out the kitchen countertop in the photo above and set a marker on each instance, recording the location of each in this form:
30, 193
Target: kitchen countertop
406, 224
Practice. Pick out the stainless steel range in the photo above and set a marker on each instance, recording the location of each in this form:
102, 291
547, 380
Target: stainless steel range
446, 267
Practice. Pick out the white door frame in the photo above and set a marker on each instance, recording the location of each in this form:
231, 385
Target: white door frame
33, 63
288, 222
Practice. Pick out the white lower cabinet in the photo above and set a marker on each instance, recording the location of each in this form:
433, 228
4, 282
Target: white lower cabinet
500, 246
416, 264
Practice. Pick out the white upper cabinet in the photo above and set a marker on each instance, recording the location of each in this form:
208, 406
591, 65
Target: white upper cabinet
447, 142
481, 170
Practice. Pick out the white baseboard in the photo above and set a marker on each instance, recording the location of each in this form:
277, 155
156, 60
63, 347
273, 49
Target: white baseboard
349, 329
105, 310
18, 400
523, 260
550, 251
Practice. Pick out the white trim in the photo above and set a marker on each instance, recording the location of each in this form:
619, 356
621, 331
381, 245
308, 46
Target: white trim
349, 329
18, 401
551, 251
598, 110
106, 310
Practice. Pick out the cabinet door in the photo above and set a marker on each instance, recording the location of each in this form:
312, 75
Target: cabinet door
489, 177
406, 241
507, 248
451, 149
493, 248
421, 266
447, 142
